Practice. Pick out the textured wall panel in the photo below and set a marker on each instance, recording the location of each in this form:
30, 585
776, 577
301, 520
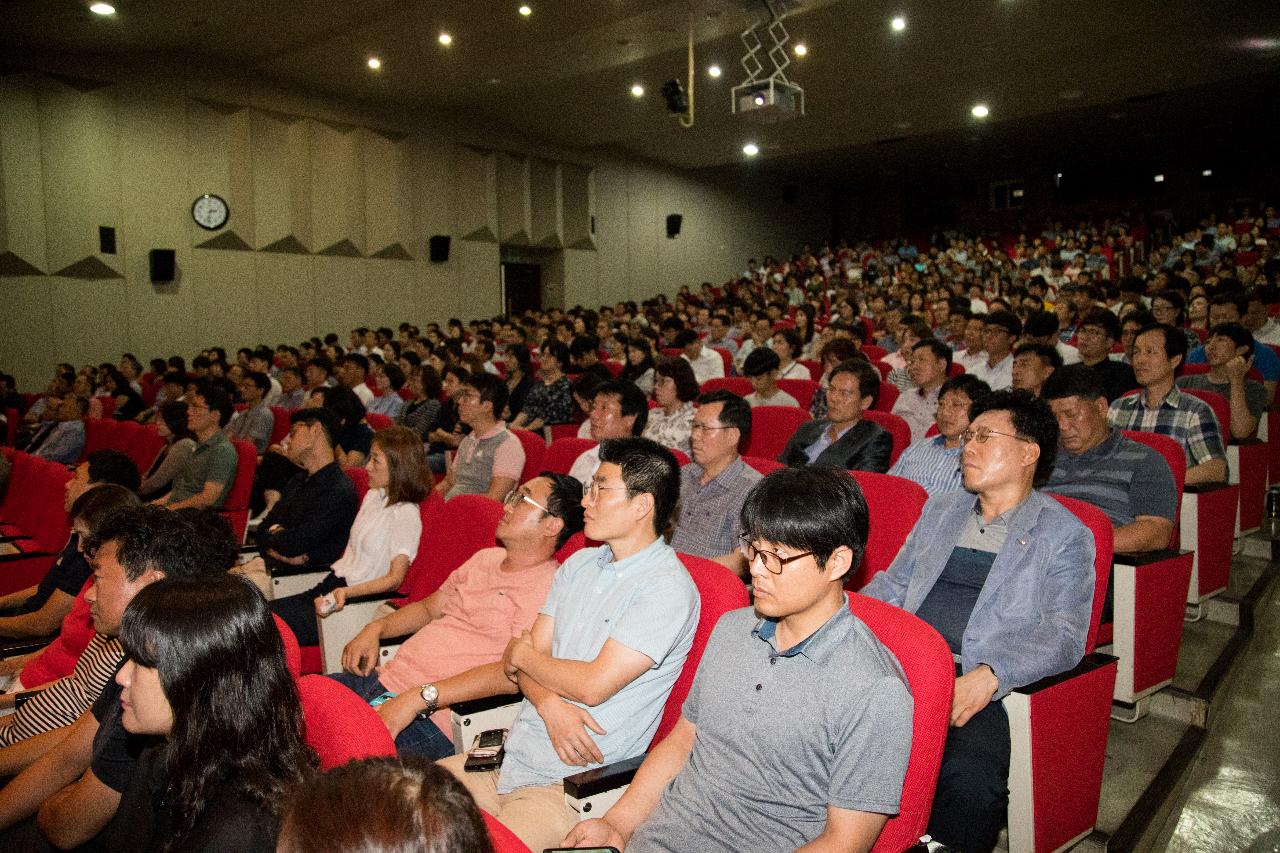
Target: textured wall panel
282, 289
388, 195
577, 206
219, 161
513, 200
544, 203
476, 194
281, 182
80, 162
23, 247
337, 190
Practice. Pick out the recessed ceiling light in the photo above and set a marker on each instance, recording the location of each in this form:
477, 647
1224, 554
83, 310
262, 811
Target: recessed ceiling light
1208, 173
714, 71
801, 49
445, 39
526, 10
751, 149
1159, 179
375, 63
637, 91
102, 9
1058, 175
980, 111
899, 24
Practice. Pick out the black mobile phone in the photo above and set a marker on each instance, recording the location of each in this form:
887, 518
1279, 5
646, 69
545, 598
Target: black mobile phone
491, 738
486, 752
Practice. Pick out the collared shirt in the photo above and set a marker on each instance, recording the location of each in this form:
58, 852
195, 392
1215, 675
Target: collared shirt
213, 461
708, 365
253, 424
709, 524
918, 408
998, 377
481, 458
648, 603
824, 441
1122, 477
752, 785
932, 464
1186, 419
313, 516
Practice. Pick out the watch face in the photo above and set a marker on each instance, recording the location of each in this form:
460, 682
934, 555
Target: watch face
210, 212
429, 693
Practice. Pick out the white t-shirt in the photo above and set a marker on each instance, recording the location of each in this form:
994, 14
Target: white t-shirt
795, 370
365, 394
780, 398
585, 466
379, 534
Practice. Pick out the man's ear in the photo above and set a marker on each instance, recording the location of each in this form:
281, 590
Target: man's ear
839, 564
642, 506
1030, 453
551, 525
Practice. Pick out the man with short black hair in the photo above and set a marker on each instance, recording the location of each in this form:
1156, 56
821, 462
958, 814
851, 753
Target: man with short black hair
1041, 327
706, 362
761, 367
816, 759
605, 650
1007, 579
927, 367
618, 410
1097, 333
714, 485
1231, 307
206, 478
844, 439
584, 356
490, 458
255, 422
1229, 351
292, 394
1033, 363
934, 462
1000, 330
718, 337
353, 369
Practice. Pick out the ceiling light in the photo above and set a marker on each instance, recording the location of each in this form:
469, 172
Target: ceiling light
526, 10
375, 63
102, 9
714, 71
801, 49
637, 91
1058, 176
899, 24
445, 39
1159, 179
1208, 173
751, 149
980, 111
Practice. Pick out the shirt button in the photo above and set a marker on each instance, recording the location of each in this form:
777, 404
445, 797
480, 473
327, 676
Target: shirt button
772, 661
759, 687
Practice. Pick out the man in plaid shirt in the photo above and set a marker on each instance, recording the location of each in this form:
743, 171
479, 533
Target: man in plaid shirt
1160, 407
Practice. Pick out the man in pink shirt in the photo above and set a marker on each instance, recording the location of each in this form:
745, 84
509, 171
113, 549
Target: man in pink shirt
461, 630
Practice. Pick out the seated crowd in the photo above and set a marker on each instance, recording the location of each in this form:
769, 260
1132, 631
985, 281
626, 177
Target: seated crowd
992, 373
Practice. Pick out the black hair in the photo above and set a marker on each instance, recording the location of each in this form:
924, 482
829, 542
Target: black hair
96, 505
1239, 335
735, 411
217, 399
491, 389
174, 415
792, 337
1040, 324
565, 503
173, 377
634, 372
1004, 320
345, 405
582, 345
586, 384
395, 376
1104, 319
1231, 298
776, 511
1074, 380
237, 716
357, 359
113, 466
321, 362
868, 377
937, 347
1175, 342
328, 421
684, 337
558, 351
259, 379
681, 372
631, 400
760, 361
647, 468
1048, 354
150, 538
1032, 418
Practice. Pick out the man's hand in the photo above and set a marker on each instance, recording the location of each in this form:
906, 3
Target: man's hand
597, 832
567, 726
1237, 368
974, 690
517, 646
361, 654
398, 712
300, 560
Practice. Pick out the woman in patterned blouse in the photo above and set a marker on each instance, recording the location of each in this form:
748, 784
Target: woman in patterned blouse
674, 389
548, 402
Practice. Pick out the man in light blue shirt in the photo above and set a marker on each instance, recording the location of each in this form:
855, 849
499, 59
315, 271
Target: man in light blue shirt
605, 651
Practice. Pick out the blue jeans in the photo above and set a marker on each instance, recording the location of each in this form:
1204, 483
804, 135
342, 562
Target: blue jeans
421, 737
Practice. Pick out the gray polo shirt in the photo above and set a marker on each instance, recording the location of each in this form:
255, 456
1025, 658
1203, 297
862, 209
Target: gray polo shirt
213, 461
781, 736
1122, 477
710, 516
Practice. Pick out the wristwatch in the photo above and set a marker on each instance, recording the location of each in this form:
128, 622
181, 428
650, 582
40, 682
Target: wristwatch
431, 696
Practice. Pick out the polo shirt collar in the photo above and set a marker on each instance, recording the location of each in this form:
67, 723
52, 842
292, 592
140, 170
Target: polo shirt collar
640, 557
1172, 399
818, 646
498, 427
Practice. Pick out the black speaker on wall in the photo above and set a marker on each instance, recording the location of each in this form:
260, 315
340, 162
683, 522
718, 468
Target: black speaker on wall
162, 265
673, 225
439, 248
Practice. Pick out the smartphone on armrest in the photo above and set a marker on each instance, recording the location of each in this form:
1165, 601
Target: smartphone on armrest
486, 751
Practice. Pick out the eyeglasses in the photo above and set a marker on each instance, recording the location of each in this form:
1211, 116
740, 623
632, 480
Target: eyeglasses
697, 427
772, 562
983, 434
598, 486
515, 496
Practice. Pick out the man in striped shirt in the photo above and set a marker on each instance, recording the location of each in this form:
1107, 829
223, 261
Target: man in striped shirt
934, 462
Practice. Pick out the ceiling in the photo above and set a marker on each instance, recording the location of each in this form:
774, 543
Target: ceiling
562, 75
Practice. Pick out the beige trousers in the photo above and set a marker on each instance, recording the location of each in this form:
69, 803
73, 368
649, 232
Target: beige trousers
537, 814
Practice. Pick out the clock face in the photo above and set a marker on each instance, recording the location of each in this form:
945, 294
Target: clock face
210, 212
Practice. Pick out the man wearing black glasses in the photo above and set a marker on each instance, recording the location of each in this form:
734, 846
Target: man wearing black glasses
1007, 579
797, 730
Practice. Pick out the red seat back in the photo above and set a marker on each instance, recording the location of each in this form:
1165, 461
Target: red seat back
340, 726
563, 452
12, 417
1103, 540
888, 396
771, 428
502, 839
280, 426
763, 465
108, 406
815, 368
926, 662
450, 535
802, 389
874, 353
535, 449
897, 428
359, 478
735, 384
894, 506
292, 652
571, 546
95, 436
1176, 459
559, 431
378, 422
719, 591
235, 508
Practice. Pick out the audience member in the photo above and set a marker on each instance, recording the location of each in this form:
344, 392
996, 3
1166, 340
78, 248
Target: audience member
179, 444
583, 355
762, 368
674, 390
706, 362
934, 462
1033, 363
489, 460
789, 347
292, 394
618, 410
927, 366
1000, 330
1229, 352
1098, 332
640, 364
255, 422
1228, 307
844, 439
353, 369
204, 481
390, 379
61, 437
548, 402
422, 413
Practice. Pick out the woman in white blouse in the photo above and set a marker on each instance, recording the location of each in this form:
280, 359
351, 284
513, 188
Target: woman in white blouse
674, 390
384, 537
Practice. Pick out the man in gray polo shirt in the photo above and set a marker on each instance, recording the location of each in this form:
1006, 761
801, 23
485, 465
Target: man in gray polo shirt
204, 481
604, 652
715, 484
798, 725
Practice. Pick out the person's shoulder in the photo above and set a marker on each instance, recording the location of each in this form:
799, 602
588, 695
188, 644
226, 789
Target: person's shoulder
1056, 516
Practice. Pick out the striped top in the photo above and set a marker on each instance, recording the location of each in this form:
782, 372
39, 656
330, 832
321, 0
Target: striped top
931, 464
67, 698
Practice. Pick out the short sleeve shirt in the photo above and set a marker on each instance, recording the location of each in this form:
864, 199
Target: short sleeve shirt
213, 461
648, 603
379, 534
709, 522
1184, 418
1255, 394
1122, 477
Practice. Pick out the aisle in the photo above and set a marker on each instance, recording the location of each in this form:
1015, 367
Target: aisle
1232, 799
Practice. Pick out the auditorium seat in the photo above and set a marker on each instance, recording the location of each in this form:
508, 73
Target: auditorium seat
802, 389
535, 450
763, 465
893, 505
280, 425
1246, 464
35, 526
815, 368
563, 452
897, 428
359, 477
888, 396
734, 384
378, 422
339, 725
235, 509
771, 428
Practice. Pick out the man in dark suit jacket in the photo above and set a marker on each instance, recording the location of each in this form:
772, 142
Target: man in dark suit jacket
844, 439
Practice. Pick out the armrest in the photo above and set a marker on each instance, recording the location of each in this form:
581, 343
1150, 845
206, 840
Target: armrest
1244, 442
1091, 662
1202, 488
597, 780
24, 555
24, 645
394, 641
1145, 558
284, 570
486, 703
18, 538
383, 597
